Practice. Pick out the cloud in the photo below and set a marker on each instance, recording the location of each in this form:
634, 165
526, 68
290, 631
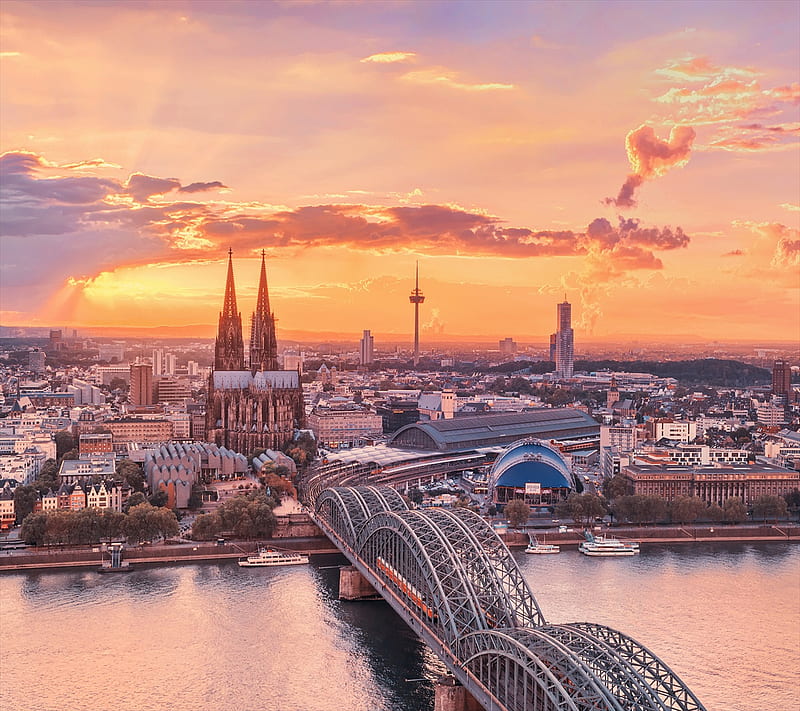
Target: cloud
787, 253
390, 57
540, 42
78, 227
143, 187
706, 94
792, 207
651, 157
444, 77
201, 187
734, 253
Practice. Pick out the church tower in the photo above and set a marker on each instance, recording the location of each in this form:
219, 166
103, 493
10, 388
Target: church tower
263, 343
229, 346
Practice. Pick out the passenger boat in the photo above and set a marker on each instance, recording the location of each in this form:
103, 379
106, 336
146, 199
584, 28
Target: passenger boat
268, 557
603, 546
535, 546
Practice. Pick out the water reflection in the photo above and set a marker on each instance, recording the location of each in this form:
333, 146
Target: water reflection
216, 636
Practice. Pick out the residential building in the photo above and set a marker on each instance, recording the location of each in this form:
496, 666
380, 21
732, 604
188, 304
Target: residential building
96, 443
141, 393
782, 378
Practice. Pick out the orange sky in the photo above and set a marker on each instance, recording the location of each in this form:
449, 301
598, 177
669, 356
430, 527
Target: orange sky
640, 157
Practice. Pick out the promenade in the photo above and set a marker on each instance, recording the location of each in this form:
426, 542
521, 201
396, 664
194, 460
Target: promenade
194, 552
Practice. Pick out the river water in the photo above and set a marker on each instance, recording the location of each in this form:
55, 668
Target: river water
216, 637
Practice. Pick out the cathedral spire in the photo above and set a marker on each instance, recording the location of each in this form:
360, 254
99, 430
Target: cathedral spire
263, 343
262, 304
229, 346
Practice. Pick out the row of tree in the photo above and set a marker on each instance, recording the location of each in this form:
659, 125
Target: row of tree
249, 516
89, 526
583, 509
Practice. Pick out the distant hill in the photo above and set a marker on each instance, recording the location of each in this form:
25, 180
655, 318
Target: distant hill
704, 371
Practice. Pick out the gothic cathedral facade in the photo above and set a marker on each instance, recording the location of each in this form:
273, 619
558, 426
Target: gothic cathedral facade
257, 407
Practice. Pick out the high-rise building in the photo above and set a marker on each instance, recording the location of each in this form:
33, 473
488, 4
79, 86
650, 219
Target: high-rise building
367, 348
781, 378
257, 408
158, 362
553, 347
508, 347
170, 364
565, 346
36, 359
141, 393
416, 298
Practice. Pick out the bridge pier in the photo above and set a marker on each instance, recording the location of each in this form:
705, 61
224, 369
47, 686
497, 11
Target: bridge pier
450, 695
354, 586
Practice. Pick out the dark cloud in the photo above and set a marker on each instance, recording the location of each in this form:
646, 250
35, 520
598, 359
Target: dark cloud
143, 187
734, 253
201, 187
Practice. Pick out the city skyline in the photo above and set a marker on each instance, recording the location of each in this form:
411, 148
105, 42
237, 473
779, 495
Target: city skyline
648, 169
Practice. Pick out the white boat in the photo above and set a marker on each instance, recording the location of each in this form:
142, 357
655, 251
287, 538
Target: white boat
268, 557
535, 546
603, 546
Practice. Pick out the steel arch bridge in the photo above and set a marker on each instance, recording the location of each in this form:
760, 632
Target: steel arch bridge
455, 583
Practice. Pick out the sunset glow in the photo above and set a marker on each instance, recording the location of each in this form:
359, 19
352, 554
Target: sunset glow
641, 157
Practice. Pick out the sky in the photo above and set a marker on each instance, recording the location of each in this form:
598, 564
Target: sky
640, 158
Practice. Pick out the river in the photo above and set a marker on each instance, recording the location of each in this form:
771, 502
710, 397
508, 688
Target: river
216, 637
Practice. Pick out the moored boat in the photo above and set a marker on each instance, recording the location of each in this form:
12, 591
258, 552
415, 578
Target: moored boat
540, 547
606, 547
268, 557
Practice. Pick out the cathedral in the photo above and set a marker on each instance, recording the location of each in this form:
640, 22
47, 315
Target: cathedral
257, 407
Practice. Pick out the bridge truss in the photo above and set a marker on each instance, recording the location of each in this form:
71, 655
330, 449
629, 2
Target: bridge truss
455, 583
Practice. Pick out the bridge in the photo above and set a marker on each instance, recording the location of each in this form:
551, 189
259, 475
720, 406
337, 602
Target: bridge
454, 582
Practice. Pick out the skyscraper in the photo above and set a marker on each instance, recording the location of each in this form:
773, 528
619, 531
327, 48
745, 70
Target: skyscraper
367, 346
141, 393
416, 298
565, 347
781, 378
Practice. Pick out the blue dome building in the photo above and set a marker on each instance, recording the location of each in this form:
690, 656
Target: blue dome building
531, 461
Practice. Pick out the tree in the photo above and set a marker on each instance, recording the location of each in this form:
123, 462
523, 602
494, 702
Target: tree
64, 442
735, 510
118, 384
639, 509
686, 509
303, 449
195, 497
769, 507
279, 487
135, 499
34, 529
71, 454
520, 385
615, 487
159, 498
48, 477
25, 498
517, 512
131, 473
716, 513
582, 508
206, 527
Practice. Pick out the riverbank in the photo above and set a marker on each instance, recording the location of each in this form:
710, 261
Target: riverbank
191, 552
668, 534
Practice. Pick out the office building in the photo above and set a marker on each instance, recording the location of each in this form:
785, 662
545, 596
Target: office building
565, 351
367, 348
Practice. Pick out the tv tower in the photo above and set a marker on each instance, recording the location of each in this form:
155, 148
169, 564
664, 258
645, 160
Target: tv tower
416, 298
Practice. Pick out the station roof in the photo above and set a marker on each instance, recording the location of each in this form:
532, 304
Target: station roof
505, 428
